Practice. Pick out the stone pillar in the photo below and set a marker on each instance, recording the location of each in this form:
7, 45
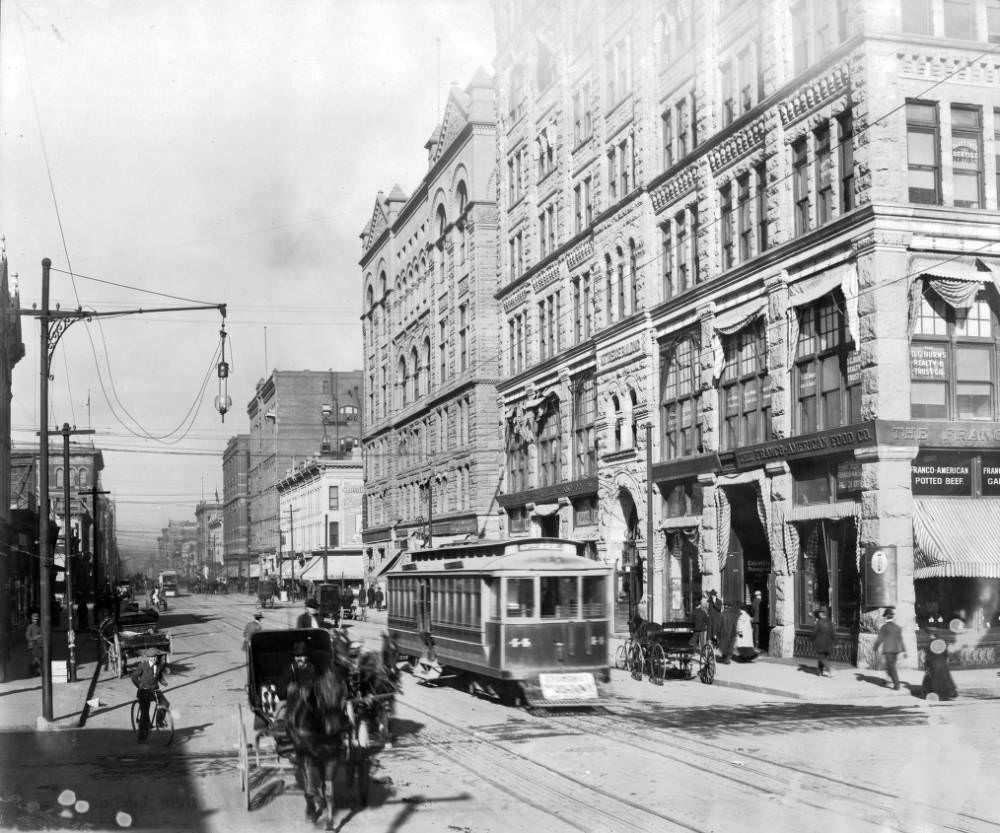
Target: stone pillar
708, 541
887, 518
782, 637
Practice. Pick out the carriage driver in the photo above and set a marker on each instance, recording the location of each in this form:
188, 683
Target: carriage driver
300, 671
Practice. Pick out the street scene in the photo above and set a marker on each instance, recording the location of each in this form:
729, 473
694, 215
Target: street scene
460, 415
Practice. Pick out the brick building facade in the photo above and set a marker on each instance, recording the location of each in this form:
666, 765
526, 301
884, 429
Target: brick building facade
768, 230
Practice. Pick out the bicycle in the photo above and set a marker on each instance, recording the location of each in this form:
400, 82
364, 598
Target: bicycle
161, 730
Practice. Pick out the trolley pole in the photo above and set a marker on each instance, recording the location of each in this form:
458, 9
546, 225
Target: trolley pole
67, 432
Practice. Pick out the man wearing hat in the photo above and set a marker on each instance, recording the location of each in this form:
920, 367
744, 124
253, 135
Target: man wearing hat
147, 677
253, 626
310, 617
890, 639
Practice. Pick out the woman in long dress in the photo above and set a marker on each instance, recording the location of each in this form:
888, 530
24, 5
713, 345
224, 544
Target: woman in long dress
745, 650
938, 682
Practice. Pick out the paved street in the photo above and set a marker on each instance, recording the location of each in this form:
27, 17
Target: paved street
683, 756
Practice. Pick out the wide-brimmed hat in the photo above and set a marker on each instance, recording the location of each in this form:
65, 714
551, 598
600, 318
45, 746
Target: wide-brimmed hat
299, 649
152, 652
890, 612
258, 615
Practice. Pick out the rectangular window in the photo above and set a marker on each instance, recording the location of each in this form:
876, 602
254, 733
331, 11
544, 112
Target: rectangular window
680, 400
333, 533
726, 225
993, 21
744, 389
442, 352
693, 243
744, 227
967, 156
612, 179
800, 185
824, 182
826, 376
745, 78
800, 36
585, 511
577, 119
959, 19
728, 100
588, 203
584, 432
543, 238
463, 342
760, 176
667, 126
587, 312
682, 127
667, 261
577, 312
512, 362
333, 497
624, 167
923, 142
917, 16
681, 249
551, 226
609, 77
845, 151
517, 518
542, 332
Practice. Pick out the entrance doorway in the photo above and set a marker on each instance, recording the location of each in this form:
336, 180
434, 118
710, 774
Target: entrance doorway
748, 560
631, 575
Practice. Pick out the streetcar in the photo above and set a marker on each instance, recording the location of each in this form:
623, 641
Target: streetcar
526, 620
168, 582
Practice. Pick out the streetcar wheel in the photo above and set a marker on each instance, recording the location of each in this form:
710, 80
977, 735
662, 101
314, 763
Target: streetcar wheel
707, 672
621, 657
657, 665
637, 661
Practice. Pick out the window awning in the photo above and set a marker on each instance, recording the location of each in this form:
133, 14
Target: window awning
956, 538
389, 564
803, 292
824, 511
681, 522
732, 321
957, 282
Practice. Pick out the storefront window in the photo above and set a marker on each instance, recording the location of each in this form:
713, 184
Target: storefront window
828, 572
825, 481
681, 499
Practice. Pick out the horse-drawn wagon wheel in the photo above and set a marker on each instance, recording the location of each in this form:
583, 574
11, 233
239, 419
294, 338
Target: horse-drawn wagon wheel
244, 762
621, 656
636, 661
118, 657
657, 664
707, 672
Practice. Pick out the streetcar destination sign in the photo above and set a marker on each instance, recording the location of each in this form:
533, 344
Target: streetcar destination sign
580, 686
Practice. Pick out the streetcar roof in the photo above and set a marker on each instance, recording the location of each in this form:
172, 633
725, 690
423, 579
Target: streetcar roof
530, 560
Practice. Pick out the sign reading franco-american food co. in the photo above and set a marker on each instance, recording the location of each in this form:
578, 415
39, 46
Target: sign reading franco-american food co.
836, 440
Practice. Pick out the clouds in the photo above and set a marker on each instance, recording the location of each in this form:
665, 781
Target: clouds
227, 151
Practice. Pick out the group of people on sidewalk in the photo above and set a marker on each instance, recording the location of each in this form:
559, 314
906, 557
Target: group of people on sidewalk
733, 629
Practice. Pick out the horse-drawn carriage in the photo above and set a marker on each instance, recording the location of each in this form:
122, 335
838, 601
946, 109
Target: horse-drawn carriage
339, 715
134, 632
656, 649
266, 591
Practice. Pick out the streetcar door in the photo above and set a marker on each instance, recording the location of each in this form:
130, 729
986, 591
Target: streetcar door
423, 606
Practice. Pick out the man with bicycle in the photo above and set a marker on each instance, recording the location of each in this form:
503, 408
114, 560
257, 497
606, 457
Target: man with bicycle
147, 676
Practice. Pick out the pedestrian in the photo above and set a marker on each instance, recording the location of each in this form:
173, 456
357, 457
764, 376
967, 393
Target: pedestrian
823, 642
252, 627
714, 616
371, 595
379, 599
309, 618
746, 651
755, 607
938, 682
890, 640
727, 633
33, 642
700, 625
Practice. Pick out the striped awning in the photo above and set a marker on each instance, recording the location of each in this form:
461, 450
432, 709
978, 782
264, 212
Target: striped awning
822, 511
956, 538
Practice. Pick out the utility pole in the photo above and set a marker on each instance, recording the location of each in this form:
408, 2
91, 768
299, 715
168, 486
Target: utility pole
291, 544
96, 544
326, 546
53, 323
67, 432
430, 512
649, 526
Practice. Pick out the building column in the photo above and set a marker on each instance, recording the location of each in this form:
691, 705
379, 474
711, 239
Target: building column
887, 519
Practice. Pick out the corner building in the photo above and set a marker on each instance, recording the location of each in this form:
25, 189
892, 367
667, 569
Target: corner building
769, 231
431, 458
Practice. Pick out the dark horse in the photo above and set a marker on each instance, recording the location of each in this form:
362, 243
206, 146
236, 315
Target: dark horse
377, 684
318, 723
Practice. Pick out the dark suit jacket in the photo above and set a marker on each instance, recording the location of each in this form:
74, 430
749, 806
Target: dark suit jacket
305, 620
890, 637
700, 619
823, 637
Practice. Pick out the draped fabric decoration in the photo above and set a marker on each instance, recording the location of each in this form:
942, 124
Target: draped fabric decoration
790, 539
723, 522
858, 552
730, 322
783, 551
955, 282
802, 293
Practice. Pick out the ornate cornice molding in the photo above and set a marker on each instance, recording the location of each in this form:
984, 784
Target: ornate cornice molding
674, 188
737, 145
815, 93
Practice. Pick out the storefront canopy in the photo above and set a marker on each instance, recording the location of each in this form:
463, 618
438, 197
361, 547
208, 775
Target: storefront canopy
956, 538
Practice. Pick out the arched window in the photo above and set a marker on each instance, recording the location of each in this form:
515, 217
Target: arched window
633, 274
59, 477
427, 365
621, 283
609, 291
370, 298
442, 222
616, 408
401, 383
84, 477
633, 401
415, 376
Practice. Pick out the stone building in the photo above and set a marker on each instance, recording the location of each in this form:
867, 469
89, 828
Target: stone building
235, 506
208, 517
768, 230
292, 414
431, 458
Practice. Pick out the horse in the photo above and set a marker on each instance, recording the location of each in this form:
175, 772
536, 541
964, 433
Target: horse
318, 722
377, 677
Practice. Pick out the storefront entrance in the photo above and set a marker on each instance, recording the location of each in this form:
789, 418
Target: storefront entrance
748, 558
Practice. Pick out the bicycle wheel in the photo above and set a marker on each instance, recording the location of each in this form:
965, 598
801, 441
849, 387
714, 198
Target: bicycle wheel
163, 726
657, 664
637, 661
621, 656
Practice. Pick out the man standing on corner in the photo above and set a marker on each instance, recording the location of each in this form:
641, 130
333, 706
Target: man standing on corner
890, 638
309, 618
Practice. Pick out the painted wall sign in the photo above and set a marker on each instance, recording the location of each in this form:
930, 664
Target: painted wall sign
927, 361
941, 474
927, 433
620, 351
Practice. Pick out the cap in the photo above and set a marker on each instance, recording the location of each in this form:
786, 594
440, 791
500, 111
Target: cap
151, 652
258, 615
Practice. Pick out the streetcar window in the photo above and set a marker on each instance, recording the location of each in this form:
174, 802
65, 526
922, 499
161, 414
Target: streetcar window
491, 589
559, 597
594, 597
520, 597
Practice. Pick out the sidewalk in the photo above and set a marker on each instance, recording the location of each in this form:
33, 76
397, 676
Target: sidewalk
796, 678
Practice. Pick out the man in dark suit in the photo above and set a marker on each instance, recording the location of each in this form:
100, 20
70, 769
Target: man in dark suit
699, 639
755, 605
890, 639
714, 616
309, 618
727, 636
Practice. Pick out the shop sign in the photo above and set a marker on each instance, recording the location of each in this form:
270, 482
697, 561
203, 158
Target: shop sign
880, 576
620, 351
990, 475
757, 565
941, 475
848, 478
823, 442
854, 368
929, 433
927, 361
455, 526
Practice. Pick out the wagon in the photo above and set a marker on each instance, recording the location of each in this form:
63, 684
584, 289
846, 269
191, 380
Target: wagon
656, 649
265, 592
135, 633
269, 654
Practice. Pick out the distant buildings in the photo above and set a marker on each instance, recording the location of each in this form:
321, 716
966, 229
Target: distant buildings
236, 506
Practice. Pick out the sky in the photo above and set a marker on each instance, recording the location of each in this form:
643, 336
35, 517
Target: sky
215, 153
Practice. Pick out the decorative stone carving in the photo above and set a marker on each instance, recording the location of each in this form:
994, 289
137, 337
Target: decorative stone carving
834, 83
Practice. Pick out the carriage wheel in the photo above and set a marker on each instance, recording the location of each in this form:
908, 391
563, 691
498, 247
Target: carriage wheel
707, 672
621, 657
657, 664
118, 658
244, 764
636, 661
